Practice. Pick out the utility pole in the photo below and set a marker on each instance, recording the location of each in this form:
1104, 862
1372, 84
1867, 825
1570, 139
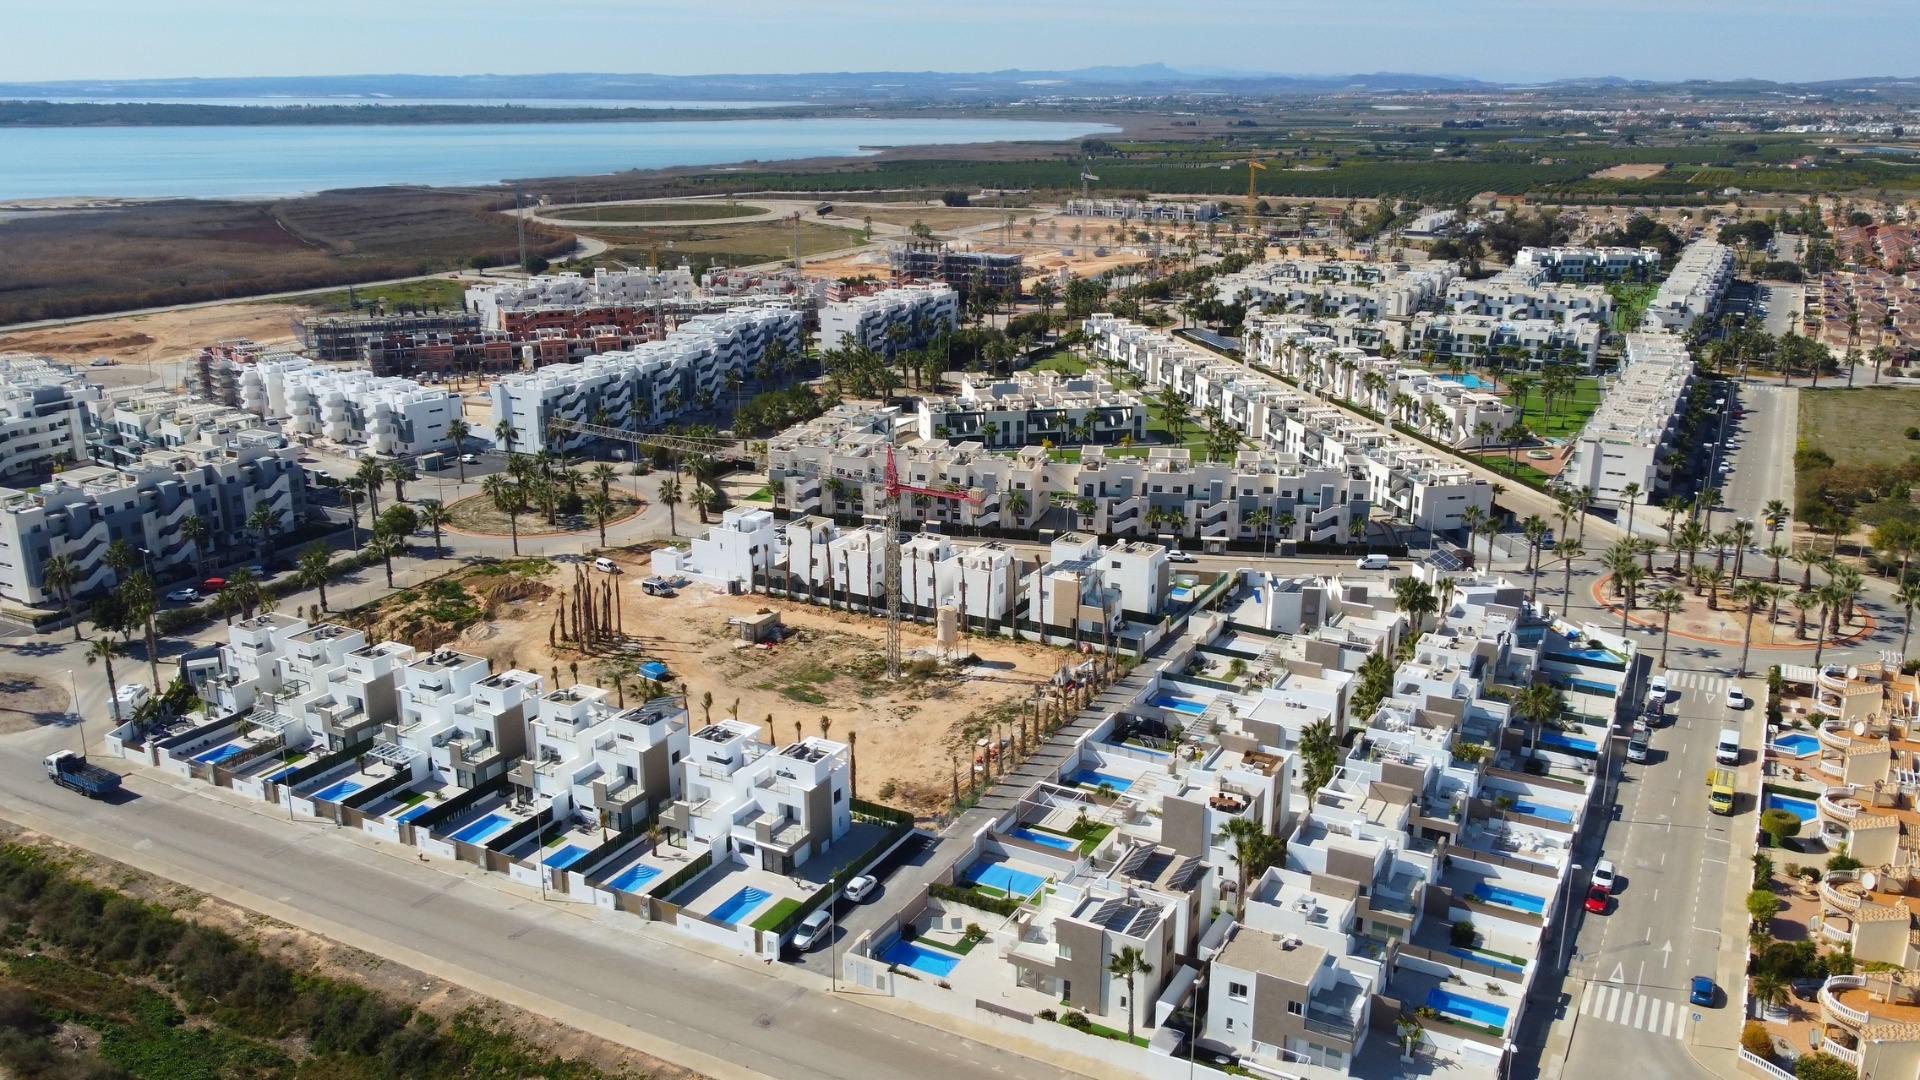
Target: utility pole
520, 227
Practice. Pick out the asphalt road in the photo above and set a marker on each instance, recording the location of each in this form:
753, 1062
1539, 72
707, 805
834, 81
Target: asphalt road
605, 972
1761, 453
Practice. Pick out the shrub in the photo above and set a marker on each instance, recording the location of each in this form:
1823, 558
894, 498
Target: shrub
1077, 1020
1779, 825
1842, 861
1762, 905
1463, 935
1048, 1014
1762, 869
1820, 1066
1755, 1040
1807, 873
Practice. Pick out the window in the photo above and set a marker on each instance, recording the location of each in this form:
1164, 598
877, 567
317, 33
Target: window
1294, 1008
1229, 1023
838, 795
1237, 991
1066, 951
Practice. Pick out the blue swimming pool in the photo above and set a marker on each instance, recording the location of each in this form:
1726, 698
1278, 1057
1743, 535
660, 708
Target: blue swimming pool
1799, 744
1598, 656
483, 830
1471, 382
1485, 960
1519, 901
564, 856
338, 791
1800, 808
1567, 742
634, 879
998, 875
1094, 778
908, 955
415, 812
1179, 594
1551, 813
1035, 836
282, 774
220, 753
1588, 686
1178, 704
739, 905
1466, 1008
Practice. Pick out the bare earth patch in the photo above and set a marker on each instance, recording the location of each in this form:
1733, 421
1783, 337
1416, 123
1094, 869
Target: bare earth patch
28, 702
1641, 171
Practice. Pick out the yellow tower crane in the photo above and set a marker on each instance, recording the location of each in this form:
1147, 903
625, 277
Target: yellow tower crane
1253, 168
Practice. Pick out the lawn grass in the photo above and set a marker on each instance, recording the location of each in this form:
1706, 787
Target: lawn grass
680, 211
444, 293
1569, 416
1630, 303
764, 495
787, 905
1061, 361
1861, 426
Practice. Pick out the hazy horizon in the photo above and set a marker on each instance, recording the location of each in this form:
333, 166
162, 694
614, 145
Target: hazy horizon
1503, 41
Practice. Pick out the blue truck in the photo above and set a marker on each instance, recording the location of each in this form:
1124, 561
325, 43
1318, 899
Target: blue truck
71, 770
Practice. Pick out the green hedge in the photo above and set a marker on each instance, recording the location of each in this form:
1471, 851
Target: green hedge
998, 905
683, 875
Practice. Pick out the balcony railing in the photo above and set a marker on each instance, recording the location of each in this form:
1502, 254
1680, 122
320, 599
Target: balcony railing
1831, 893
1327, 1023
1835, 737
1846, 1054
1830, 999
1831, 805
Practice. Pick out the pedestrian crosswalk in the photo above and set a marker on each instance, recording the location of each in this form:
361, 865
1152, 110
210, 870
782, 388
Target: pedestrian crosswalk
1704, 681
1613, 1003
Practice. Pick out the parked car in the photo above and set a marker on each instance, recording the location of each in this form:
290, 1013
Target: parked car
1373, 562
1597, 899
1737, 698
1639, 744
1700, 990
469, 459
1181, 556
1603, 876
1657, 691
656, 586
606, 565
184, 596
213, 584
861, 887
813, 930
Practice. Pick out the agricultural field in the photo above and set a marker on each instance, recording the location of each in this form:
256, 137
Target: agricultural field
681, 211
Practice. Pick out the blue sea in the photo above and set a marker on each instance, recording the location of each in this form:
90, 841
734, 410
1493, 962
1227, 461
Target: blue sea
265, 162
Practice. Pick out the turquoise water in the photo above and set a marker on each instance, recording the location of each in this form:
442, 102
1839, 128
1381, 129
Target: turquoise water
1483, 958
1467, 1008
415, 812
479, 832
1471, 382
998, 875
1551, 813
220, 754
739, 905
1178, 704
1798, 744
338, 791
1800, 808
1562, 742
1034, 836
566, 856
1093, 778
908, 955
259, 162
633, 879
1496, 894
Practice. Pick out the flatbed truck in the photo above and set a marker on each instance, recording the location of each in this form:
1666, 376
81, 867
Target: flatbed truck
72, 771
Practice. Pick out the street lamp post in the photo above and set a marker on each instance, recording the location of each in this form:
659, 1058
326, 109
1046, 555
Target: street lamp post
1566, 913
79, 717
533, 764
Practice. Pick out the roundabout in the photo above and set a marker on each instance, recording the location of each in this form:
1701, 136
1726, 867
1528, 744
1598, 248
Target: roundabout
661, 213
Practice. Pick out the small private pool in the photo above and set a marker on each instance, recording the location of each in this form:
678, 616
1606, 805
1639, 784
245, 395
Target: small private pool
1485, 959
1180, 594
739, 905
407, 818
1799, 744
998, 875
928, 961
1469, 1009
1471, 382
1045, 839
633, 879
1094, 778
563, 857
1567, 742
483, 830
1801, 808
221, 753
1549, 813
1177, 703
1513, 898
338, 791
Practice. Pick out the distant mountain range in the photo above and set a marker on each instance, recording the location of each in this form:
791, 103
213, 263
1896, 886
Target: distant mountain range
840, 88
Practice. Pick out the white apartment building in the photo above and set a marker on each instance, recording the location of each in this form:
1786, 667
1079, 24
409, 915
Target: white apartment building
467, 724
740, 550
1337, 289
386, 414
772, 808
1477, 339
1636, 427
346, 702
1520, 294
982, 582
1034, 407
1589, 264
43, 415
1070, 594
915, 313
601, 766
650, 384
1694, 289
129, 425
249, 663
1141, 210
80, 512
610, 288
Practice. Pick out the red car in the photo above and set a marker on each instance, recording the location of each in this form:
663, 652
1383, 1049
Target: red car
213, 585
1597, 898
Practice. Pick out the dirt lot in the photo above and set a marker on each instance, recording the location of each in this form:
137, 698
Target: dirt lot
909, 734
137, 340
310, 952
1643, 171
27, 701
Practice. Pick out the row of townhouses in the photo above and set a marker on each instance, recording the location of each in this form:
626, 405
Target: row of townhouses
906, 317
1633, 437
1482, 339
1143, 210
626, 806
1033, 407
1701, 274
496, 302
1527, 293
1338, 288
1590, 264
1383, 469
650, 384
1415, 886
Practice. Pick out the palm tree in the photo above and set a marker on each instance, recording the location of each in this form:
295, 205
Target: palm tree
1741, 534
1253, 850
137, 593
351, 489
458, 430
61, 573
1628, 495
1808, 559
1258, 521
670, 494
1668, 602
1535, 530
1775, 514
193, 530
1753, 596
434, 516
1539, 703
398, 473
601, 507
1711, 578
1832, 597
100, 650
313, 571
1319, 756
1907, 595
1125, 964
503, 435
262, 520
508, 499
384, 547
372, 474
1691, 537
1802, 601
1569, 550
604, 475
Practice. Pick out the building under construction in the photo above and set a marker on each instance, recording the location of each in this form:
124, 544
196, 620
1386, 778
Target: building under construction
339, 337
964, 270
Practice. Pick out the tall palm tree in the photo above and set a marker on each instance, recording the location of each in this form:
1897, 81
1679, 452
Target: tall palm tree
1832, 597
1535, 530
262, 520
509, 500
193, 530
1907, 595
1539, 703
1253, 849
141, 600
1775, 513
1126, 964
1753, 596
1569, 551
458, 430
1668, 602
601, 507
372, 474
398, 473
314, 570
434, 516
1630, 494
1741, 534
670, 494
100, 650
61, 574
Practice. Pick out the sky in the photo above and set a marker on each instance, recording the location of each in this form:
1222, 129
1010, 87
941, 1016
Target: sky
1501, 40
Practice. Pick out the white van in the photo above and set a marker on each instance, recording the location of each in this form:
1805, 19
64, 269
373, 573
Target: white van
1727, 750
1373, 562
